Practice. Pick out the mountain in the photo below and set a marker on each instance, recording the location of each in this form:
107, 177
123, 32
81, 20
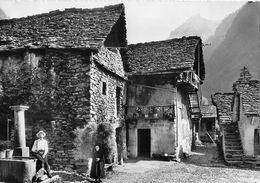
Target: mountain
240, 47
2, 14
195, 26
220, 33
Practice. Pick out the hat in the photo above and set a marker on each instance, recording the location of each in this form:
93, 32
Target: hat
44, 134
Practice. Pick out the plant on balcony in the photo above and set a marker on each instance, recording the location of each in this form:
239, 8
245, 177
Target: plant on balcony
146, 112
168, 113
139, 111
154, 112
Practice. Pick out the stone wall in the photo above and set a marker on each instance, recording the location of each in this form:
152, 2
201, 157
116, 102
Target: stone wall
58, 96
167, 135
250, 96
103, 106
224, 104
184, 124
248, 93
60, 137
63, 88
107, 67
162, 136
162, 130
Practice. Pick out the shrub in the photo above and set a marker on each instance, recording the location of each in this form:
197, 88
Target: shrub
85, 140
4, 144
106, 137
92, 133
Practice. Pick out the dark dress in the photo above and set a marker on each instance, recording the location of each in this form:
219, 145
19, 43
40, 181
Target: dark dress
97, 167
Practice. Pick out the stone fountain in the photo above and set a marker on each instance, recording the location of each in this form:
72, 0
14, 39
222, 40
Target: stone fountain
21, 168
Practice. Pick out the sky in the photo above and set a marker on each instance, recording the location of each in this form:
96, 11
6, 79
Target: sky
146, 20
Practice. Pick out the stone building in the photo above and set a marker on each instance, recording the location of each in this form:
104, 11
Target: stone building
162, 100
238, 115
208, 126
66, 65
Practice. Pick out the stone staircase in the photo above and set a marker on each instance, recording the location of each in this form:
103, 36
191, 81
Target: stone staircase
232, 147
251, 162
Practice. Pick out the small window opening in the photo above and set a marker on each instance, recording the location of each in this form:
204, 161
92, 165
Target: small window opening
118, 95
104, 88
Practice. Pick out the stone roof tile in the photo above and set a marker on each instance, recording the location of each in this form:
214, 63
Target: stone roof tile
71, 28
223, 103
164, 55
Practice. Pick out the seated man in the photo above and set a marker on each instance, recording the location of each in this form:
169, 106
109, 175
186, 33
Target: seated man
40, 149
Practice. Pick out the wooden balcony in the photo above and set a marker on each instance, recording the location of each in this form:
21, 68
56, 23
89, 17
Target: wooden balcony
150, 112
189, 79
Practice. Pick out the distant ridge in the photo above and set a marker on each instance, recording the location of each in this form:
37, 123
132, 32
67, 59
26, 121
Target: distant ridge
3, 15
240, 47
195, 26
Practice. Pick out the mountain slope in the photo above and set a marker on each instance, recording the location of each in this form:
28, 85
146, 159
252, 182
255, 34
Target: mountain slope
195, 26
241, 47
2, 14
220, 33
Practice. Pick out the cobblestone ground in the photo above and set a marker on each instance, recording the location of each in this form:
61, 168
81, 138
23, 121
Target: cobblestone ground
203, 166
171, 172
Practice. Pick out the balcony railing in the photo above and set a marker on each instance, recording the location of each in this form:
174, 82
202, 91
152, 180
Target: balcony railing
190, 78
150, 112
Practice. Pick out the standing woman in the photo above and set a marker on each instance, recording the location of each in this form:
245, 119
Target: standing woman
97, 168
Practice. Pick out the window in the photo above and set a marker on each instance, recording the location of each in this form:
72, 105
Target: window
104, 88
118, 95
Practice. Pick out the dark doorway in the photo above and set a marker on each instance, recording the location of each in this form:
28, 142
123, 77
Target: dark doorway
144, 142
257, 142
119, 143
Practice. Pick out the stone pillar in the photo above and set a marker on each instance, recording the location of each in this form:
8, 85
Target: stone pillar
20, 140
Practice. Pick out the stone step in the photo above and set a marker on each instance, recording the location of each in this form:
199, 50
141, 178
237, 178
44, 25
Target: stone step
234, 162
251, 159
232, 135
231, 132
233, 144
228, 155
234, 159
234, 147
231, 128
252, 164
232, 138
232, 152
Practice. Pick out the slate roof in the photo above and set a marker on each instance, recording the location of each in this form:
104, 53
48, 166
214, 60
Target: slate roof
249, 91
71, 28
223, 102
164, 55
208, 111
